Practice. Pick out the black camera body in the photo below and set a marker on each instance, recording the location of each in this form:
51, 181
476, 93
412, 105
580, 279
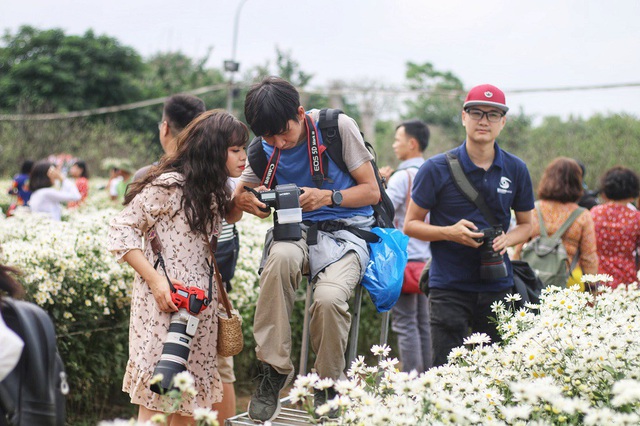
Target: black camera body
492, 265
285, 199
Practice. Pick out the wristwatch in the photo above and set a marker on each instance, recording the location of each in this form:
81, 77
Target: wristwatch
336, 198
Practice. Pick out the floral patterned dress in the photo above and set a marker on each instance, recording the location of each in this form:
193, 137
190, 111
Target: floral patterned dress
82, 183
185, 255
618, 235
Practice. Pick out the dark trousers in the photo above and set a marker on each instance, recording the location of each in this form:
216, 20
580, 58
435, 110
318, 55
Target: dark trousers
457, 314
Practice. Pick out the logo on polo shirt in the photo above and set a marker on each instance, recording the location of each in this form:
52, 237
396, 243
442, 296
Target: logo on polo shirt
503, 187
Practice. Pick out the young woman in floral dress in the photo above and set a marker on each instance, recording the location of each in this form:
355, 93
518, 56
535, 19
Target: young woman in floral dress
183, 199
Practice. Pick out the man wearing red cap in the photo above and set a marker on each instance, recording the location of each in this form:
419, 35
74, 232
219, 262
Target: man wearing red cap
460, 292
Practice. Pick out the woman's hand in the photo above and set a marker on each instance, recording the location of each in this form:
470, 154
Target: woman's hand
54, 174
162, 293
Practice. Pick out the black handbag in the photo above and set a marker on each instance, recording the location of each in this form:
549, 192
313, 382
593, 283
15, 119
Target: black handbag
227, 256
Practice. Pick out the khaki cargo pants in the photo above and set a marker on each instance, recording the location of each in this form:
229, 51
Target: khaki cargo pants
287, 263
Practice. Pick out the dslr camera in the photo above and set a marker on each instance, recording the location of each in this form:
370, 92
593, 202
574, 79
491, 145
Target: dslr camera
285, 199
492, 265
175, 352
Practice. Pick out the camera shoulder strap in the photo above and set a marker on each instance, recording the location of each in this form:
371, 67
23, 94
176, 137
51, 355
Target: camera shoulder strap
156, 247
468, 190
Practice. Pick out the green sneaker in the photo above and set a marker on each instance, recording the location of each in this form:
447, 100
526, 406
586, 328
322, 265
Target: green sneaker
265, 402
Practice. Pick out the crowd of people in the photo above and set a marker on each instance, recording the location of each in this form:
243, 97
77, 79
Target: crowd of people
208, 178
45, 187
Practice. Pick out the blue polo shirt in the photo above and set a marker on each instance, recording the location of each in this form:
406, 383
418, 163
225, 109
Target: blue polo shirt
505, 185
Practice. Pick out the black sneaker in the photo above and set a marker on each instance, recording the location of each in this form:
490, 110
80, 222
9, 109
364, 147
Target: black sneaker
320, 397
265, 401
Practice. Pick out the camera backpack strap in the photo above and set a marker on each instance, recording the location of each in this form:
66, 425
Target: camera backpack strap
467, 189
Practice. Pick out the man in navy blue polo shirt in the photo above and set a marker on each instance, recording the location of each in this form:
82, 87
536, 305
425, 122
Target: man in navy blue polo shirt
460, 300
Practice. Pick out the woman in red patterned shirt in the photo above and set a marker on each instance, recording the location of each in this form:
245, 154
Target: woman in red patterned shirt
617, 224
79, 172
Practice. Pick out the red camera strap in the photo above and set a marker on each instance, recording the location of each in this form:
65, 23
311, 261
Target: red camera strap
314, 150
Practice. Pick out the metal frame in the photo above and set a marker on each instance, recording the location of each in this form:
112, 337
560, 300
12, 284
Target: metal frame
291, 416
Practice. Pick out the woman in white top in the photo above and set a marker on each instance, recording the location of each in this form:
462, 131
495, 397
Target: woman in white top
46, 198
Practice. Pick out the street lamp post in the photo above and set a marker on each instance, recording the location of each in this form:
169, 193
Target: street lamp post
231, 65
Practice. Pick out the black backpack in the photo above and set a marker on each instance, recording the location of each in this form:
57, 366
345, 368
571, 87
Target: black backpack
383, 211
34, 392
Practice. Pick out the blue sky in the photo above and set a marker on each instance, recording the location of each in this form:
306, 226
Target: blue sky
513, 45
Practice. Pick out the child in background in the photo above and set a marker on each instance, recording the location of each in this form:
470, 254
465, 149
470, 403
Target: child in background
20, 187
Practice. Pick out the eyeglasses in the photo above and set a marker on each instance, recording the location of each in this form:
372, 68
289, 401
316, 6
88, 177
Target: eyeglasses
160, 123
477, 115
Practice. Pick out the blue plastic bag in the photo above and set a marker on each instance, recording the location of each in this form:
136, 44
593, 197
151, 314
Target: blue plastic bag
385, 270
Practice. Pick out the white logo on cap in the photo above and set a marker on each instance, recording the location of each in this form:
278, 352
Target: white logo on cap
488, 94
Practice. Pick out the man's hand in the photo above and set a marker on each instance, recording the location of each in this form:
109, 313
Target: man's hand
386, 172
248, 202
464, 233
313, 198
500, 243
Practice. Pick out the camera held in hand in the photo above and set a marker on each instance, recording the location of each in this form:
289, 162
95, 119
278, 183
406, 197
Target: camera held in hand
175, 352
492, 265
285, 199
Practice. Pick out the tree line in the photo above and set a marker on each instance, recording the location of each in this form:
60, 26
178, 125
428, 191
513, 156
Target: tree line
48, 71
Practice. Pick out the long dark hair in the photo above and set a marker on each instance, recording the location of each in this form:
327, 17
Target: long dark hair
39, 177
201, 158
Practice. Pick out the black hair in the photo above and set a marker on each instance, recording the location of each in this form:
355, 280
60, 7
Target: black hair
8, 283
270, 105
39, 178
620, 183
27, 165
417, 129
582, 167
83, 166
180, 110
201, 158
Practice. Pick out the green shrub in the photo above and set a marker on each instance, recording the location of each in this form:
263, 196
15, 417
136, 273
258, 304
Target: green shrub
67, 270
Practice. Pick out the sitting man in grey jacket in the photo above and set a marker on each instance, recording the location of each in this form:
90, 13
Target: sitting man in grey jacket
335, 260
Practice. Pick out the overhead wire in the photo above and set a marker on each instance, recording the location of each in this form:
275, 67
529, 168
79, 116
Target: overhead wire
342, 90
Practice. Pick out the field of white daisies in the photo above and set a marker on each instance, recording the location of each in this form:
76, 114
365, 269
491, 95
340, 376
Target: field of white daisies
577, 361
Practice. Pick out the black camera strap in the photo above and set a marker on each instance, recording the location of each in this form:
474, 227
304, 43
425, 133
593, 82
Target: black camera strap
465, 186
156, 247
315, 150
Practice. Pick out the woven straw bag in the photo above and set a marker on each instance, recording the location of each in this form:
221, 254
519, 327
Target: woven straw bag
230, 338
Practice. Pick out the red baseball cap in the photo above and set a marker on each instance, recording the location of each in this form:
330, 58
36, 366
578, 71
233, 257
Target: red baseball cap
488, 95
